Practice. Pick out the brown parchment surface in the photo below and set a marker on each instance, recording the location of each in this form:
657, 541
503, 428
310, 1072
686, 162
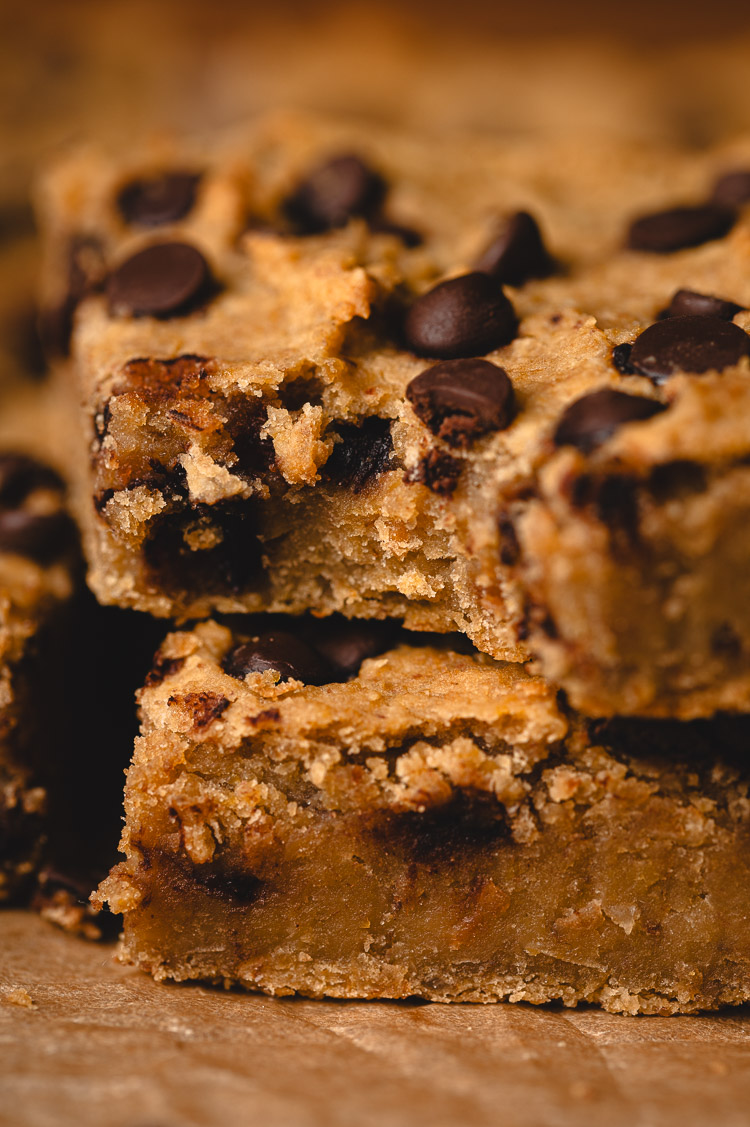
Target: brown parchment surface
88, 1042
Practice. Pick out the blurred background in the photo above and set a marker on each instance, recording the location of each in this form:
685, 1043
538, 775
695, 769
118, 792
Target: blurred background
646, 72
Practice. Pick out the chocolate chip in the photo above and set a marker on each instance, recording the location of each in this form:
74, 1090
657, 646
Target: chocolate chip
40, 536
20, 475
163, 280
688, 344
346, 644
732, 189
460, 399
677, 479
292, 658
465, 316
517, 252
687, 303
230, 567
364, 452
162, 668
438, 471
409, 236
621, 359
679, 227
332, 193
592, 419
152, 201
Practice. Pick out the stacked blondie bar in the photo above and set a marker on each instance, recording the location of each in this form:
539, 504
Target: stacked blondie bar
437, 453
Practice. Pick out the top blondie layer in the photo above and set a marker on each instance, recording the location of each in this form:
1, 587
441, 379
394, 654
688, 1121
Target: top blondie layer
479, 386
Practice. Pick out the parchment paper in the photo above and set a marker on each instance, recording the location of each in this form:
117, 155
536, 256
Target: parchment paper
87, 1042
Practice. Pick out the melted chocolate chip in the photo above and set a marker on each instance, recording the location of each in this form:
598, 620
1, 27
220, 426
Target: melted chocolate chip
292, 658
592, 419
346, 644
438, 471
732, 189
517, 252
621, 359
462, 317
688, 344
679, 227
164, 280
153, 201
364, 452
687, 303
162, 668
230, 567
461, 399
40, 536
332, 193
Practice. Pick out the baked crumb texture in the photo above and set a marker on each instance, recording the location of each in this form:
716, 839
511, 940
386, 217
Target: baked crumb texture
436, 826
248, 322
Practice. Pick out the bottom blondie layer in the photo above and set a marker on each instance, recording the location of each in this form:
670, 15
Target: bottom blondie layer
426, 822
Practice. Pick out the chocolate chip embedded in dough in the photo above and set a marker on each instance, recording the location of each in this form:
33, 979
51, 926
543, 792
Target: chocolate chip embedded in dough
621, 359
438, 471
517, 252
332, 193
687, 303
461, 399
39, 536
465, 316
163, 280
688, 344
592, 419
365, 450
346, 644
292, 658
665, 231
732, 189
155, 200
409, 236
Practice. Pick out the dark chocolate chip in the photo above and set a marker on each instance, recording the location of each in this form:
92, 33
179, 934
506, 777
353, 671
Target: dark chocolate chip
292, 658
162, 668
732, 189
346, 644
592, 419
687, 303
230, 567
332, 193
364, 452
688, 344
40, 536
163, 280
152, 201
409, 236
517, 252
21, 475
438, 471
621, 359
465, 316
679, 227
460, 399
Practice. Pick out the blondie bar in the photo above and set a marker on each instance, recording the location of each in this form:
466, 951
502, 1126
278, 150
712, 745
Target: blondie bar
322, 368
36, 583
339, 813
